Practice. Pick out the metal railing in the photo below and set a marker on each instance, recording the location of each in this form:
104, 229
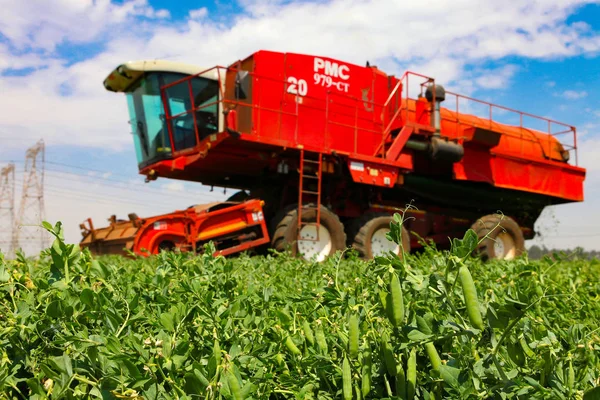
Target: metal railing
397, 106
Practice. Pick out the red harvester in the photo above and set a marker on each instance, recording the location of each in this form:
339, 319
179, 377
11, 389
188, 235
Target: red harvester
333, 149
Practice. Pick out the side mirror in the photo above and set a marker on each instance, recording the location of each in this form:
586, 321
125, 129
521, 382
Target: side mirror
242, 85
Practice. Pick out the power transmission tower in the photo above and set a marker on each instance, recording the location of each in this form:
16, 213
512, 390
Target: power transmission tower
7, 208
28, 229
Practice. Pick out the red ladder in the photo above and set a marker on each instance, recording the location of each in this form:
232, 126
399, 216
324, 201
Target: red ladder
303, 193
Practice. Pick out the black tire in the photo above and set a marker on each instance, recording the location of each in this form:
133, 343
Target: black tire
166, 245
495, 226
285, 232
363, 229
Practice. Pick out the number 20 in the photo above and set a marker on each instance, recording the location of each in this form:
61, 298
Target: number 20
297, 86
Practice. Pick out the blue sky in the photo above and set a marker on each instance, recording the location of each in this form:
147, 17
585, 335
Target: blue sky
539, 58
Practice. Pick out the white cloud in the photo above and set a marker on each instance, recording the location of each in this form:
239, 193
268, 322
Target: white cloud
574, 94
43, 24
198, 13
497, 78
173, 187
587, 129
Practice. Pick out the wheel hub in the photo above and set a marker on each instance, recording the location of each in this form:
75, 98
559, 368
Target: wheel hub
380, 245
311, 245
504, 246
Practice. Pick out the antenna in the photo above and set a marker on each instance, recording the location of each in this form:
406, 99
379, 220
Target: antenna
7, 208
27, 229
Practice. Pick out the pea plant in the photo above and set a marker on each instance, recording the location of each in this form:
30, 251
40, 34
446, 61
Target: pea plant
439, 324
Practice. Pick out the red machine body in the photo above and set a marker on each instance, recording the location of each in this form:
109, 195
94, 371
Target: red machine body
281, 116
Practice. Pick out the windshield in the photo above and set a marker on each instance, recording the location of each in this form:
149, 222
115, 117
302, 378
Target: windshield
147, 114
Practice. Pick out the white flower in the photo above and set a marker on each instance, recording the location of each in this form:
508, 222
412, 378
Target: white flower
48, 384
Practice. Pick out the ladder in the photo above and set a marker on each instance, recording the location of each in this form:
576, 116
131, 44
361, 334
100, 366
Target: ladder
305, 179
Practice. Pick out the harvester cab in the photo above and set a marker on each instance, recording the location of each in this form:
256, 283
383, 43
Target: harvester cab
142, 82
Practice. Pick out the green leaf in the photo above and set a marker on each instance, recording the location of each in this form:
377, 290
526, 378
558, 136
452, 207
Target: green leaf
87, 297
99, 269
470, 241
416, 336
34, 385
134, 372
48, 226
192, 384
113, 345
68, 365
60, 285
4, 275
166, 319
96, 393
449, 375
63, 364
54, 309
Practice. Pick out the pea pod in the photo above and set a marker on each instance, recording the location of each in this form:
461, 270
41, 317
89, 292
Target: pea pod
346, 379
308, 333
234, 386
397, 305
546, 369
217, 352
470, 294
357, 390
291, 346
570, 376
526, 348
198, 374
539, 291
281, 363
434, 357
353, 336
400, 382
388, 355
366, 372
321, 341
411, 375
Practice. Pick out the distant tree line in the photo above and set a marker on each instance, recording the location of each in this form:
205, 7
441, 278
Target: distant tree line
536, 252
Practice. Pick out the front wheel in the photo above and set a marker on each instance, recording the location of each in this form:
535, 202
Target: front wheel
370, 238
311, 243
500, 237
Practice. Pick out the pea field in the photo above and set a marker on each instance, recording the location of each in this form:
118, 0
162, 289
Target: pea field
439, 324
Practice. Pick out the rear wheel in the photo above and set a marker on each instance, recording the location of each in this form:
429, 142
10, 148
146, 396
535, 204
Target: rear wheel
310, 243
504, 240
370, 236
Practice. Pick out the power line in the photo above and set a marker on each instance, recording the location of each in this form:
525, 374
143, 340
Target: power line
571, 236
142, 187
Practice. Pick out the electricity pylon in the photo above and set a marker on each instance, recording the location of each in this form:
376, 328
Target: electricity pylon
7, 208
27, 229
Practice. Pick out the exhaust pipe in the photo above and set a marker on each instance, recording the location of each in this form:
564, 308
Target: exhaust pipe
436, 94
438, 148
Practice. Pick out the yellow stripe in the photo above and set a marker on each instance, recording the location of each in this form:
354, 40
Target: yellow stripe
224, 229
